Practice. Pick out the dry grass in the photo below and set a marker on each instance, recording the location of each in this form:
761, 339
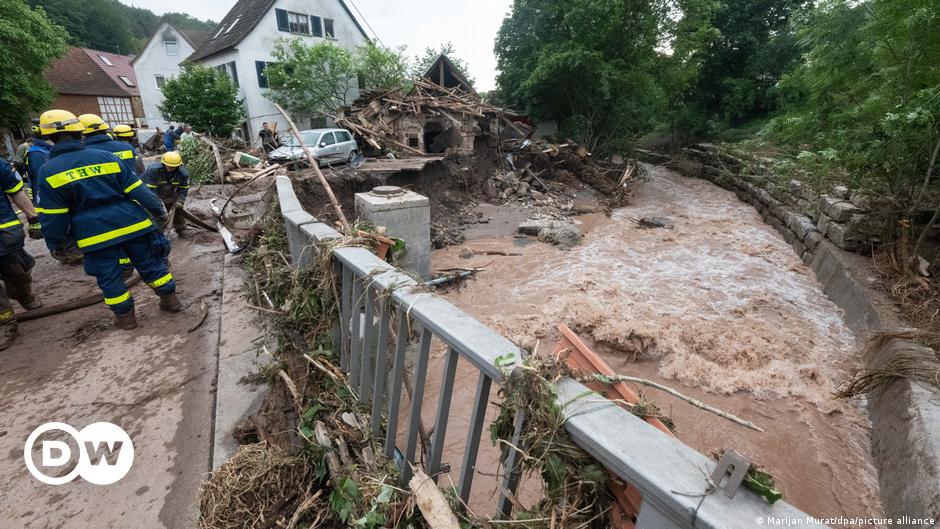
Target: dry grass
920, 362
257, 488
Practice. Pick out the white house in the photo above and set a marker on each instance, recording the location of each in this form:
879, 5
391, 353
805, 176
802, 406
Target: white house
242, 44
160, 61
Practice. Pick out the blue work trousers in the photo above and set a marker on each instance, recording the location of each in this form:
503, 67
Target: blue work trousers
105, 265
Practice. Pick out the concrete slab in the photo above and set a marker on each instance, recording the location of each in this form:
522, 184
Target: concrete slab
240, 354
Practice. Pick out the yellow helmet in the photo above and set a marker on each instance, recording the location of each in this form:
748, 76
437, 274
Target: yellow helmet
53, 121
123, 131
172, 159
93, 123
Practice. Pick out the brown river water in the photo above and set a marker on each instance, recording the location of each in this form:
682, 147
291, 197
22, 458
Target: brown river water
719, 308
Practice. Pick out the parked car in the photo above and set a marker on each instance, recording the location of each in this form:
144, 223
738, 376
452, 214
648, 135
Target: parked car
329, 146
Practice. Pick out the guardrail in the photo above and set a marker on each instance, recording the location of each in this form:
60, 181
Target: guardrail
672, 477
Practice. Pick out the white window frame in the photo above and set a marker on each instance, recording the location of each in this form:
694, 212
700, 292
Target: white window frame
116, 110
126, 80
297, 19
173, 45
105, 60
160, 80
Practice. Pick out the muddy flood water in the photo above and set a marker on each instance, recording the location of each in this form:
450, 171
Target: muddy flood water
719, 308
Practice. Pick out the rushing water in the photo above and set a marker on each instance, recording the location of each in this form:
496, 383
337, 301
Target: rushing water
720, 308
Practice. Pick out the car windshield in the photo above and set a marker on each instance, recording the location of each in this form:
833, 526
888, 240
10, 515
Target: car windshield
310, 138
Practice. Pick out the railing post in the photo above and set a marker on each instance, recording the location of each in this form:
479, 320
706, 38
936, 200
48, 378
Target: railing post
473, 436
511, 464
368, 332
417, 399
398, 374
345, 314
378, 398
443, 412
355, 356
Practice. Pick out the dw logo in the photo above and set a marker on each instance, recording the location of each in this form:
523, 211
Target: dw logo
104, 452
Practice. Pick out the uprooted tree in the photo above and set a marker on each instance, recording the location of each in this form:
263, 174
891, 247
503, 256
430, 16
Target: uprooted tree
205, 98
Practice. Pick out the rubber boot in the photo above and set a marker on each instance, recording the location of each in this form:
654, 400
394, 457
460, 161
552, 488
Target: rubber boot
7, 328
170, 303
30, 303
126, 321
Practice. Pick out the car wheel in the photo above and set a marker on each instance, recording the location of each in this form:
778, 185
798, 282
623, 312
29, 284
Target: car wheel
352, 156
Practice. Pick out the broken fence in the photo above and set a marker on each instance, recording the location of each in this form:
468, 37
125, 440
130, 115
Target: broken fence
672, 477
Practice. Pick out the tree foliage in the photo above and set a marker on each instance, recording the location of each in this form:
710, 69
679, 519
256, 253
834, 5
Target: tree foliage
311, 80
382, 68
109, 25
205, 98
587, 64
867, 95
28, 43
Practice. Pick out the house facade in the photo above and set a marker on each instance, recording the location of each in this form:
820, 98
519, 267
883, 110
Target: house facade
95, 82
159, 62
243, 42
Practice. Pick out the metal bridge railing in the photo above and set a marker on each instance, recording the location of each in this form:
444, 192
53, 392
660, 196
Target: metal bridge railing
375, 297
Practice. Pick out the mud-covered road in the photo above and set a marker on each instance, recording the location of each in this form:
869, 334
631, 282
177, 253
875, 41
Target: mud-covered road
718, 307
156, 382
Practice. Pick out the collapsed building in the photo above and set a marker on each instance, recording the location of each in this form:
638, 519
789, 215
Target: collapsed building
440, 114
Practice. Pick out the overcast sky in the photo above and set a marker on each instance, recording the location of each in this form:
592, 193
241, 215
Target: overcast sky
470, 24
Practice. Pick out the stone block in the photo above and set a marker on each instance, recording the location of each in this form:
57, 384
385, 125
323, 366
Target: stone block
807, 257
812, 240
843, 211
822, 224
845, 237
801, 225
826, 202
798, 247
406, 215
841, 192
796, 187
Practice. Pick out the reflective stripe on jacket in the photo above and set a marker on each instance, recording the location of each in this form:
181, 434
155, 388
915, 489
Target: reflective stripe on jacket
124, 151
11, 183
90, 195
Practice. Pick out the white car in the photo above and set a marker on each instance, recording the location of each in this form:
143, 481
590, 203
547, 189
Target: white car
329, 146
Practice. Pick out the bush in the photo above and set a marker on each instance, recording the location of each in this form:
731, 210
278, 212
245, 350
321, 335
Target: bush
199, 161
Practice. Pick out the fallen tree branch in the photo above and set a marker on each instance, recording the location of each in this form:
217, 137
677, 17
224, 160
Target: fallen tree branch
431, 502
316, 168
613, 379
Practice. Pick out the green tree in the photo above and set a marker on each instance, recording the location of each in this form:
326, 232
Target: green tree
587, 64
423, 62
311, 80
28, 43
205, 98
382, 68
867, 97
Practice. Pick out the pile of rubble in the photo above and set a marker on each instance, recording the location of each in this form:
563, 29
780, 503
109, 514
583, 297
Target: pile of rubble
428, 119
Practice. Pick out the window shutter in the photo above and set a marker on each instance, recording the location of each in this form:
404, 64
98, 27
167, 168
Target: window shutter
234, 73
317, 26
262, 77
281, 20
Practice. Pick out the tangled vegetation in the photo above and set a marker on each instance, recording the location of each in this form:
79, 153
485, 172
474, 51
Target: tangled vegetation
313, 462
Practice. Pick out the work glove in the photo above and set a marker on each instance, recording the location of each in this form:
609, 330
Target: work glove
160, 245
35, 229
162, 221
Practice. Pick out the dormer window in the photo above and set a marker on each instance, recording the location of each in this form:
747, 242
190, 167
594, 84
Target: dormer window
105, 60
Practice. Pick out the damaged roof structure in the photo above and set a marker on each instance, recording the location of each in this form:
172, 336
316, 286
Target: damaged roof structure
441, 114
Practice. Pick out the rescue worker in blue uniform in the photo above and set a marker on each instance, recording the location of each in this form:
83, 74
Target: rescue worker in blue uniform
89, 195
96, 137
125, 134
169, 179
15, 262
35, 157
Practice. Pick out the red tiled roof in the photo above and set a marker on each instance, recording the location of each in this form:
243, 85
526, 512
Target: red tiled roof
120, 67
82, 72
